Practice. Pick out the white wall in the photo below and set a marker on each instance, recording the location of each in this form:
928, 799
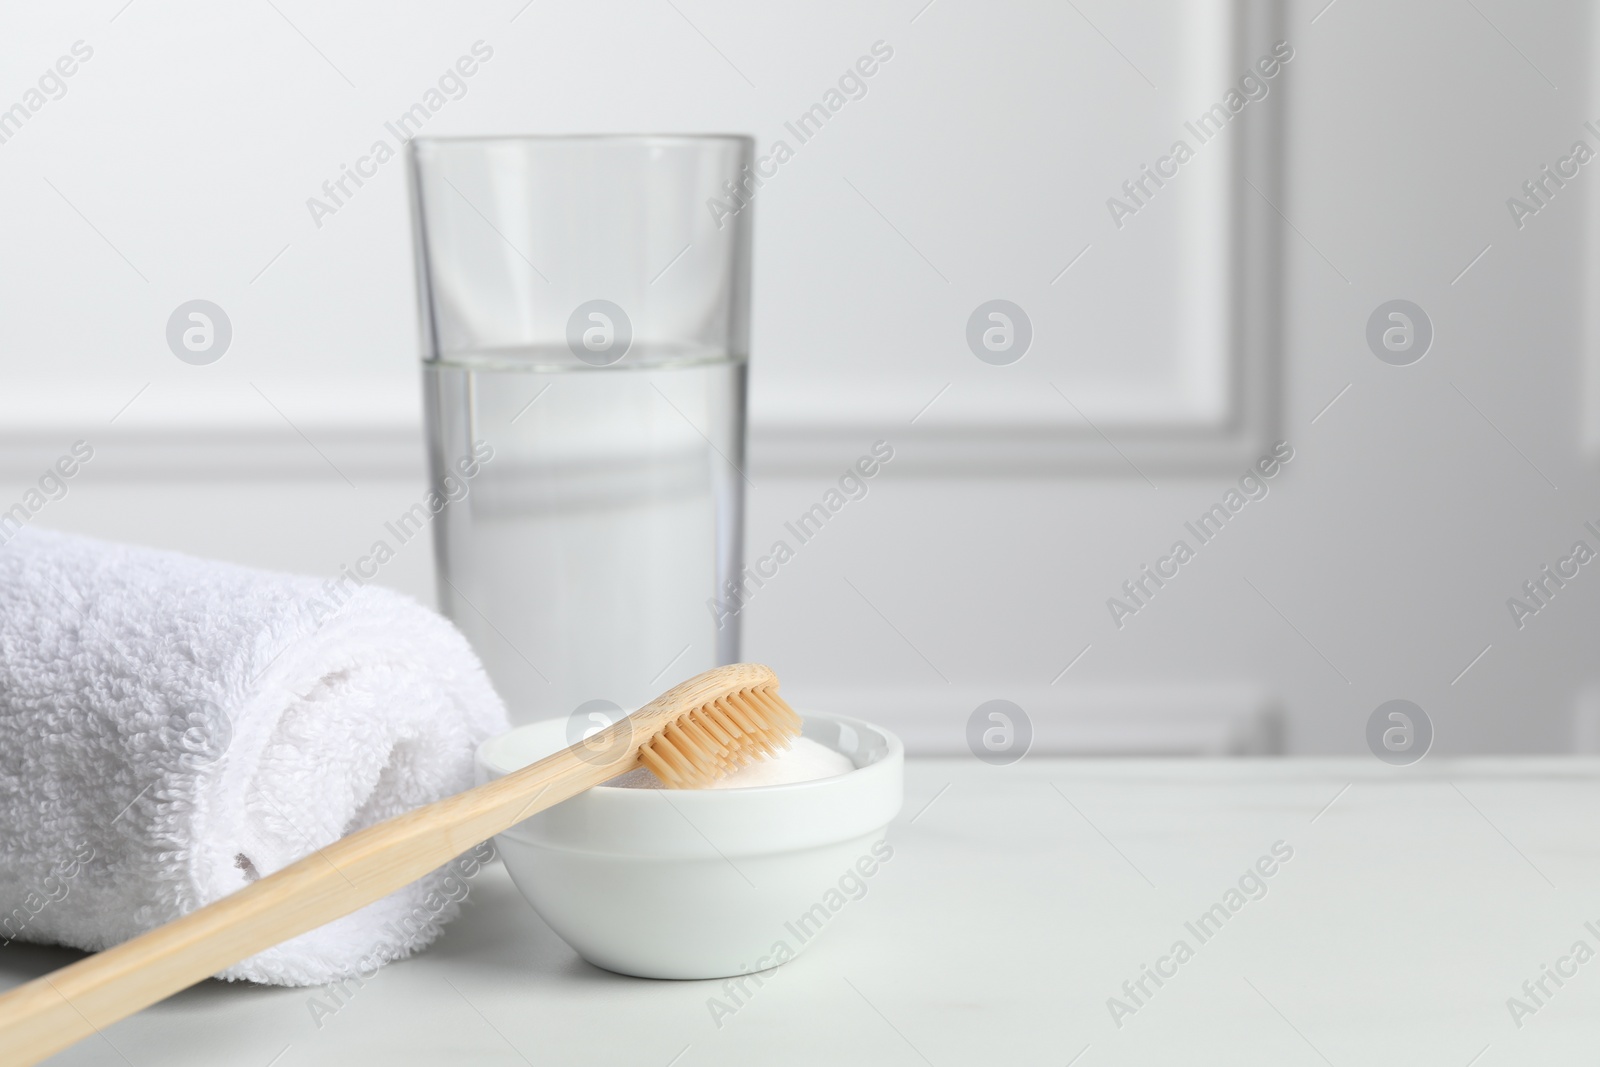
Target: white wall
178, 164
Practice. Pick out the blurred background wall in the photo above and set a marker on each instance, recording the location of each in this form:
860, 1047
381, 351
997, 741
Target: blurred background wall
195, 151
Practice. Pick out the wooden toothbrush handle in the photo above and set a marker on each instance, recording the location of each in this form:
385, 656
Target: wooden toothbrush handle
50, 1013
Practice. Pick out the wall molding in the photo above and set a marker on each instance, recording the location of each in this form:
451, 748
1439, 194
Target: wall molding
1589, 382
206, 453
1171, 719
396, 451
1244, 252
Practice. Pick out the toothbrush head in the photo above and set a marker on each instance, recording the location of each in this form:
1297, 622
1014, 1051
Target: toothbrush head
712, 724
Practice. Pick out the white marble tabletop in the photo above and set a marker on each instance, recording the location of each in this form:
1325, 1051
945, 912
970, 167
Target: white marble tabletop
1405, 910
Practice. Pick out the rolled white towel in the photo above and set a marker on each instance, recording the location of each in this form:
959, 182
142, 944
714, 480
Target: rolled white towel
175, 728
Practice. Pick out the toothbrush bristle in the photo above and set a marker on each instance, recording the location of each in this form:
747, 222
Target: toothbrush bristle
702, 744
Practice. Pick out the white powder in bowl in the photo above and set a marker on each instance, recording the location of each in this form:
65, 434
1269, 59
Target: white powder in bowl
803, 761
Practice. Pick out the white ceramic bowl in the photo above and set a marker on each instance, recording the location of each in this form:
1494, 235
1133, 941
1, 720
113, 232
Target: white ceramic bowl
707, 883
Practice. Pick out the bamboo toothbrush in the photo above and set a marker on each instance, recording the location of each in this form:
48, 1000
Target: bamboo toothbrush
689, 736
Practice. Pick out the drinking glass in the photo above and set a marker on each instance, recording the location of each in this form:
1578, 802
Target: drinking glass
584, 306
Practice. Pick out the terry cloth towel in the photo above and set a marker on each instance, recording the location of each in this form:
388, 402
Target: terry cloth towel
175, 728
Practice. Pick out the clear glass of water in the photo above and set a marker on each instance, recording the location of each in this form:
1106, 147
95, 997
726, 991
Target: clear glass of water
584, 306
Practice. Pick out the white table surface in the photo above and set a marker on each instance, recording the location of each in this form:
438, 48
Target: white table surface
1417, 901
